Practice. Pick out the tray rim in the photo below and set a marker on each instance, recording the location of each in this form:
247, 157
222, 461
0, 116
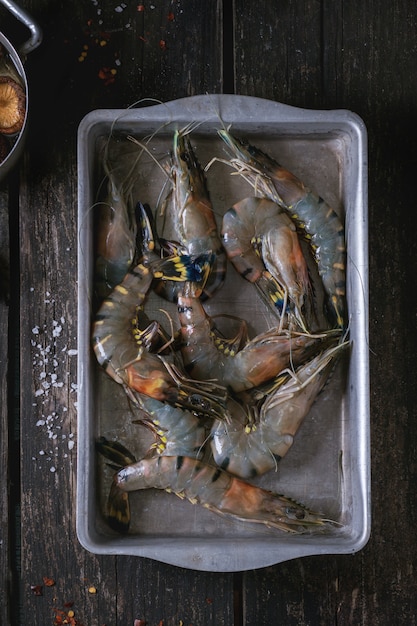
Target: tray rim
186, 552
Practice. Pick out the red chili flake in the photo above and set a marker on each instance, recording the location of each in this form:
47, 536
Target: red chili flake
69, 604
107, 75
209, 600
59, 616
37, 590
143, 39
140, 8
104, 36
63, 617
48, 582
170, 17
162, 44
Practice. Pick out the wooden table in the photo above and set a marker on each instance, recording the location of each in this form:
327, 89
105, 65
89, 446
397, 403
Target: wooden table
360, 56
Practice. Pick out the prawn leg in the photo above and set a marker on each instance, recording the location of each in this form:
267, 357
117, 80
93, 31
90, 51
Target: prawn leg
229, 345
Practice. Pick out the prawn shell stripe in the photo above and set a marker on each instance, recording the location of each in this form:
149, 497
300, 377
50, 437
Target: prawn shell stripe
99, 343
213, 473
179, 463
247, 272
253, 472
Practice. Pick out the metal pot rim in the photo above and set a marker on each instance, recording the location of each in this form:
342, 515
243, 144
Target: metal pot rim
16, 57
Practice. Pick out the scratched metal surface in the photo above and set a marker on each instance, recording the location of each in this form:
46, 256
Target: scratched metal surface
328, 466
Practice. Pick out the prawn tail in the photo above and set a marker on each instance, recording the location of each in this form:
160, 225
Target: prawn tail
216, 276
118, 506
145, 240
174, 266
184, 268
335, 310
177, 266
115, 452
276, 298
118, 509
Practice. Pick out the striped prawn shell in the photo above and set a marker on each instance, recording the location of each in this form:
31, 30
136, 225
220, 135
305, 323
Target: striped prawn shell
216, 490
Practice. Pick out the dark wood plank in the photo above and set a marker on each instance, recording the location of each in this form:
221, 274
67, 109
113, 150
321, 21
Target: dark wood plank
6, 515
169, 595
278, 51
349, 62
188, 62
10, 481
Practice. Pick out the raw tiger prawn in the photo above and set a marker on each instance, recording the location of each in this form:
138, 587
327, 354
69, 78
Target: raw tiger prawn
279, 268
191, 213
116, 233
203, 484
251, 447
126, 358
313, 216
260, 360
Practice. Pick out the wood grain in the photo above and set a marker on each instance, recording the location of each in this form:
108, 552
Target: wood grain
351, 66
126, 588
6, 514
315, 54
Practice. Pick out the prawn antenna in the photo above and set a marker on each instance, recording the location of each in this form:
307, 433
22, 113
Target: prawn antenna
144, 148
171, 324
362, 287
217, 113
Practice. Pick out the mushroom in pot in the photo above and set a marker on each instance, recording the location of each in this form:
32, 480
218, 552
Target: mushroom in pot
12, 106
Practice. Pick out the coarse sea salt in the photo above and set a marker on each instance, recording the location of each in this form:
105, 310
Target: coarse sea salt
49, 356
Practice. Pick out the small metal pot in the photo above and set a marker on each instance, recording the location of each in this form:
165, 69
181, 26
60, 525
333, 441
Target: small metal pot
17, 59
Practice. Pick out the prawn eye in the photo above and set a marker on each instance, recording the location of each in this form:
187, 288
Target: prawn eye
294, 513
197, 400
184, 157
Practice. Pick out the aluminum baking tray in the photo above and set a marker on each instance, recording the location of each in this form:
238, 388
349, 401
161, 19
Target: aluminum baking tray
328, 467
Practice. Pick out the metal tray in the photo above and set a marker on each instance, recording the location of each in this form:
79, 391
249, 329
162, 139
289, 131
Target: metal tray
328, 467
